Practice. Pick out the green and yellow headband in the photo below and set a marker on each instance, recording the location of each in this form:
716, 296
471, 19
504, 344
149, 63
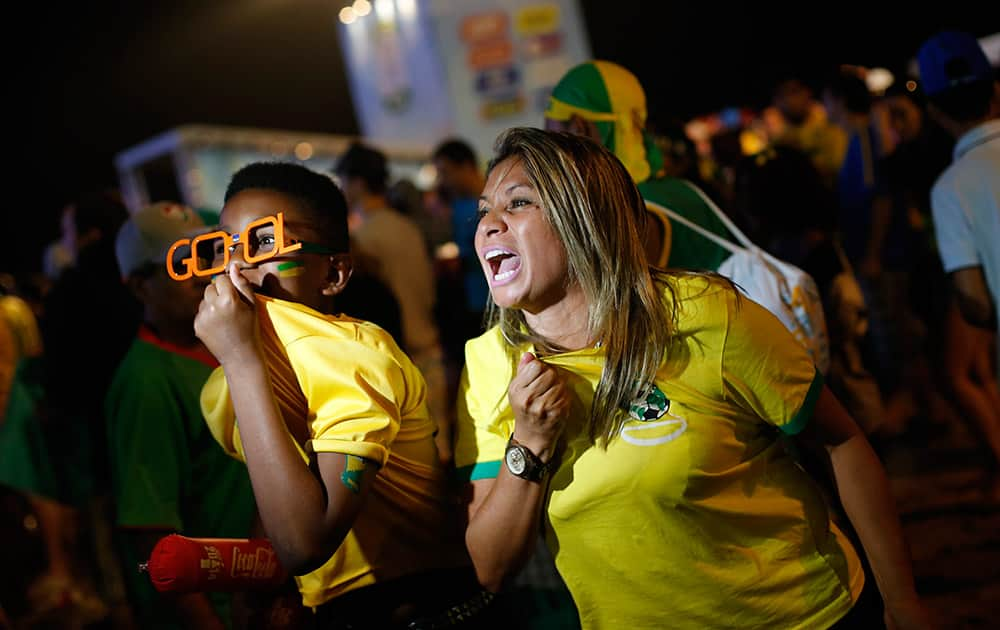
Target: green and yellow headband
604, 92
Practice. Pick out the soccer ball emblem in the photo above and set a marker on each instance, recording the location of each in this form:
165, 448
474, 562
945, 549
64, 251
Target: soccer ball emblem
650, 405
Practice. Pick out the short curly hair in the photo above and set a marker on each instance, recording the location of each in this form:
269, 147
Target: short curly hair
317, 195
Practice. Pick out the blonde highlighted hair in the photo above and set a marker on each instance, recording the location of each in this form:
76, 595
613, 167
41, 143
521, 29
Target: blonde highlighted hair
589, 199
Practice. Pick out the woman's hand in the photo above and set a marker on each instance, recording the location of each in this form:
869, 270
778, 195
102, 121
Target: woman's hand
541, 403
227, 318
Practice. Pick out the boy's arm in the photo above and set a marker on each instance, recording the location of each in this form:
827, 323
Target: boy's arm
306, 511
305, 515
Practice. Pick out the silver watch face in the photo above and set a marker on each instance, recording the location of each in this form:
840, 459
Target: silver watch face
515, 461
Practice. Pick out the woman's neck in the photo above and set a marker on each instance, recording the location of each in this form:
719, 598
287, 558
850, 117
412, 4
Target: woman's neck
564, 324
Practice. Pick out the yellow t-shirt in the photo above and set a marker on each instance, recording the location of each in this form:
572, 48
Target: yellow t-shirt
344, 386
695, 516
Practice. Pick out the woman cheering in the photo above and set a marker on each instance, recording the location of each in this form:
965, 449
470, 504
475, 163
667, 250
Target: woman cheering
638, 418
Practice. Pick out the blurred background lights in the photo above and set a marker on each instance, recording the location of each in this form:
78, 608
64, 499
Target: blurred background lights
347, 15
407, 9
447, 251
878, 80
361, 7
426, 177
303, 151
384, 10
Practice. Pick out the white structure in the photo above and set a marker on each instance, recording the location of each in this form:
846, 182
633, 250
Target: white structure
193, 163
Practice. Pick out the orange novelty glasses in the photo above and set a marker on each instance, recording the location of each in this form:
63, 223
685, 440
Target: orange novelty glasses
218, 246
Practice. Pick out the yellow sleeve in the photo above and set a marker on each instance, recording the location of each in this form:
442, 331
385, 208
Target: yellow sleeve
217, 408
765, 370
485, 419
357, 394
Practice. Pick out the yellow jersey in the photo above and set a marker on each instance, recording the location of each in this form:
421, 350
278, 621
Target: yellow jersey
344, 386
695, 516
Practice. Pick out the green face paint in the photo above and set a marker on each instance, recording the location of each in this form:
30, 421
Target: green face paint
291, 268
354, 470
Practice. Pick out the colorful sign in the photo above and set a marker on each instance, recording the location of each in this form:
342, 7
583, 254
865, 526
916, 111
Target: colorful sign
424, 70
502, 58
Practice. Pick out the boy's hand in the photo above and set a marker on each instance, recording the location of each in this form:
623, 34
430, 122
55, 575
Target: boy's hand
227, 318
541, 402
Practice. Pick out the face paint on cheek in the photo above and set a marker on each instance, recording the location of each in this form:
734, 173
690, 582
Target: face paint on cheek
291, 269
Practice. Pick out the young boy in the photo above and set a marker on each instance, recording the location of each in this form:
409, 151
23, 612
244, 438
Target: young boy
168, 474
333, 424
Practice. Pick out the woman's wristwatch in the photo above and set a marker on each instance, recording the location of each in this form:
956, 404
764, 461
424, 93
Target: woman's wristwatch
521, 462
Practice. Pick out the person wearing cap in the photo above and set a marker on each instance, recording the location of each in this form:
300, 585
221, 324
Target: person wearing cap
168, 473
964, 98
605, 102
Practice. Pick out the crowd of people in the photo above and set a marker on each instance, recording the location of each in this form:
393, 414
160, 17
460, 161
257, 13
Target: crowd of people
577, 419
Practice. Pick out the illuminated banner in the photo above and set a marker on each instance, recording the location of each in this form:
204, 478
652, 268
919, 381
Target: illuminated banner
423, 70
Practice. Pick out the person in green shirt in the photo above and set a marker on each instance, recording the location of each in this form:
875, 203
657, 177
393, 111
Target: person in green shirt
168, 473
605, 102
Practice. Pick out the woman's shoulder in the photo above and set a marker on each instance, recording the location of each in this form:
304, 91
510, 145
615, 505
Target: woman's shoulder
689, 289
699, 301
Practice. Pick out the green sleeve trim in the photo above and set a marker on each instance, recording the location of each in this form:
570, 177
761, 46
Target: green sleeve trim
805, 412
480, 470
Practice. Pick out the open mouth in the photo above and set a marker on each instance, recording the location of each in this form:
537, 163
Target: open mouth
503, 264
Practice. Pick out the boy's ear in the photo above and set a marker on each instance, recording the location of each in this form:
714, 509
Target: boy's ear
341, 268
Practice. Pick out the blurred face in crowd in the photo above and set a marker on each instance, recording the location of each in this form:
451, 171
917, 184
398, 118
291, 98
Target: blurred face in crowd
793, 100
458, 180
354, 190
523, 258
449, 177
904, 116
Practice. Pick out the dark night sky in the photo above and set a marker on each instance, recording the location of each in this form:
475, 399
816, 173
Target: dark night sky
91, 78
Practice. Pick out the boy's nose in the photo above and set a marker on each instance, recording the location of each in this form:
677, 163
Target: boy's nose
236, 252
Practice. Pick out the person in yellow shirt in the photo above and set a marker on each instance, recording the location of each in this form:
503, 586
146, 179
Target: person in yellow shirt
333, 422
801, 123
637, 418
